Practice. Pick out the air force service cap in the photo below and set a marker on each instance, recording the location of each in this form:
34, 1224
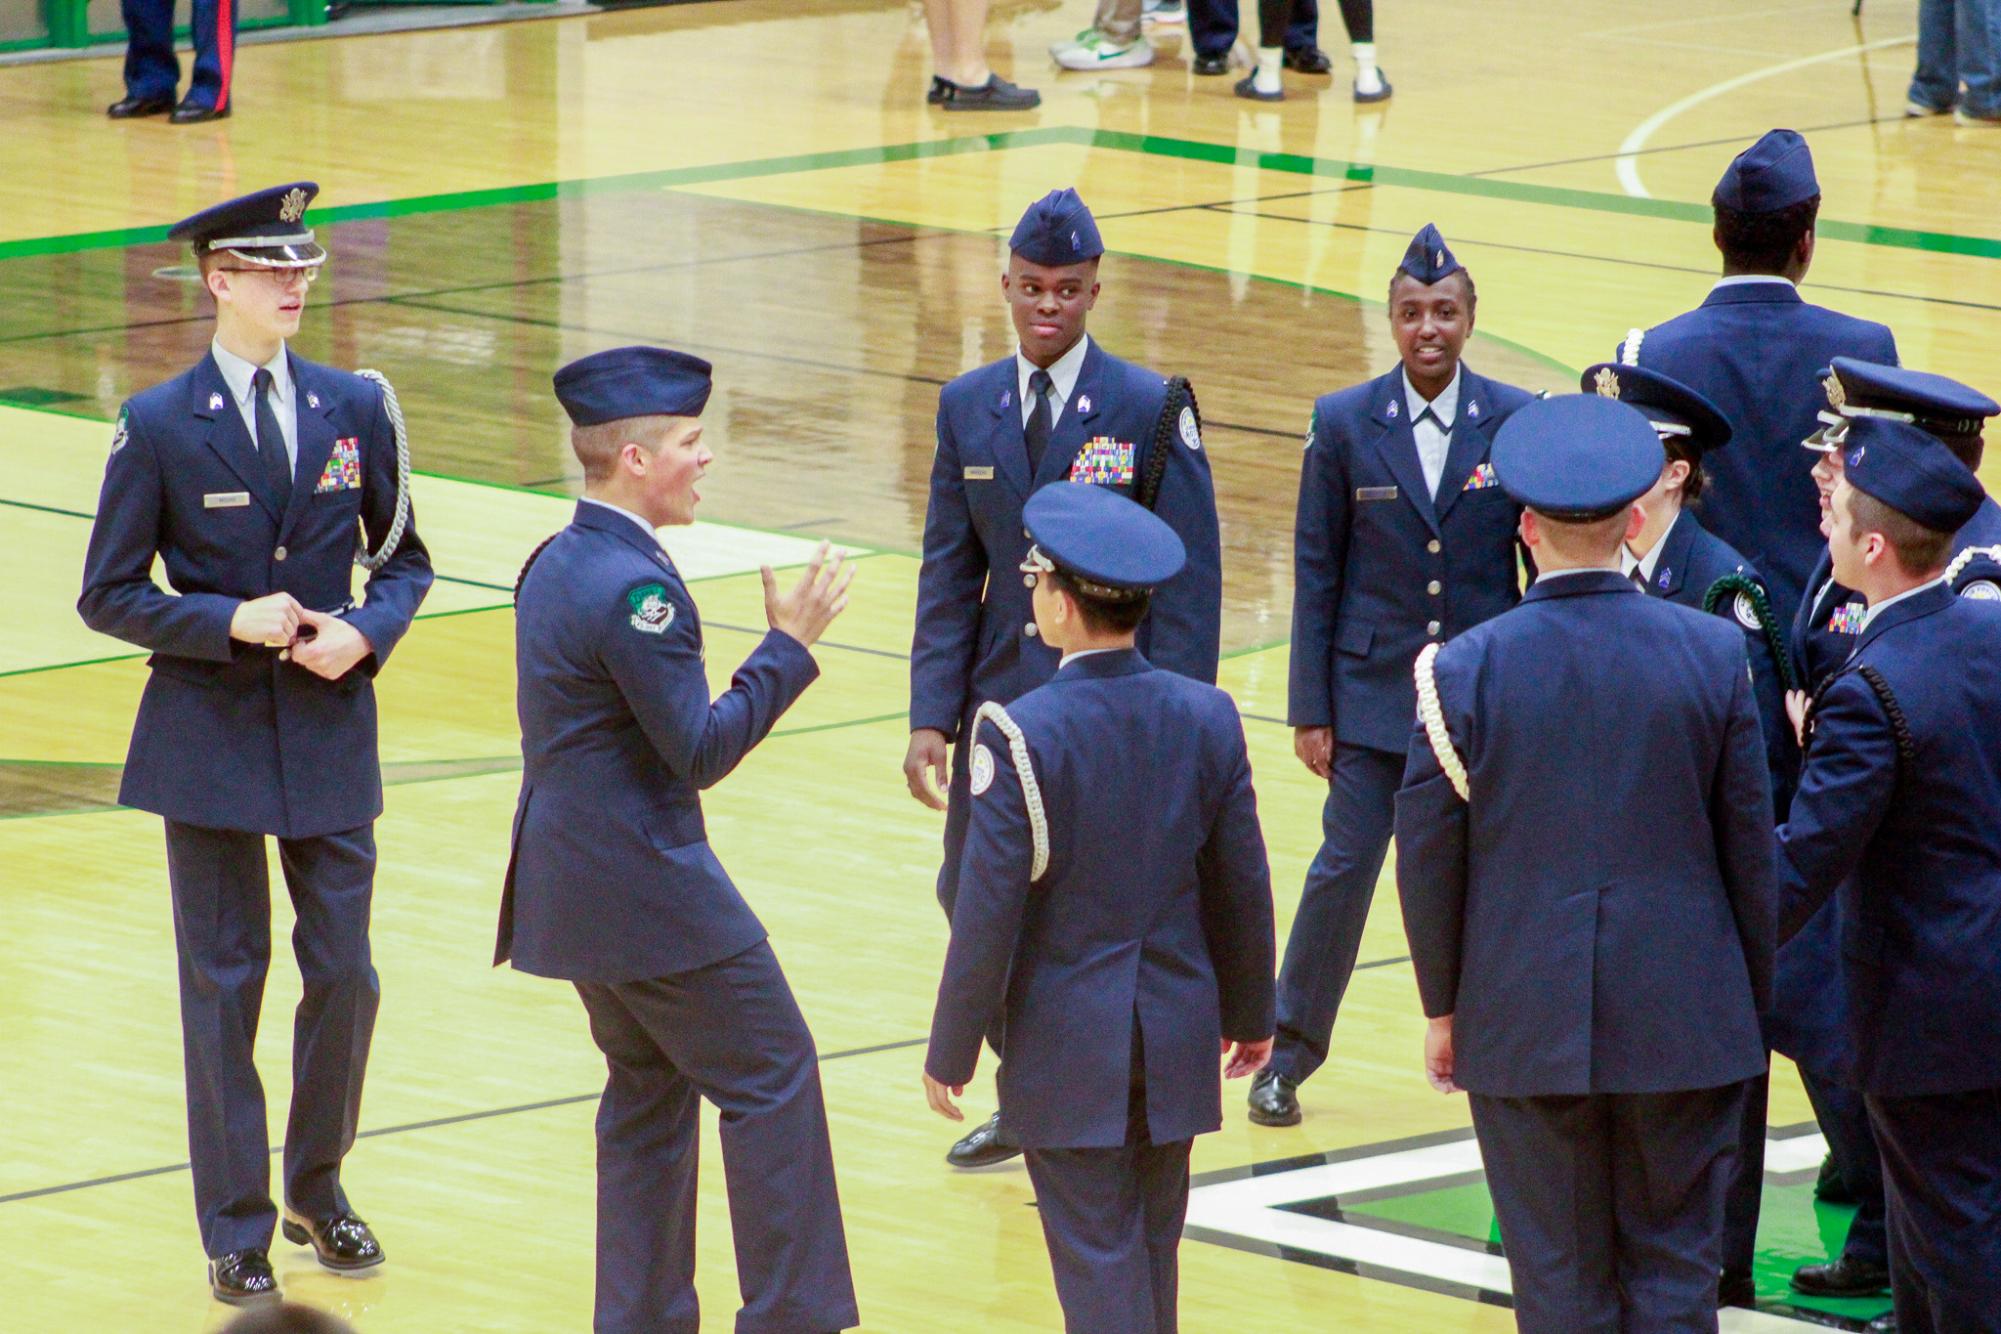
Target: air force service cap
1930, 402
266, 228
1576, 458
633, 382
1911, 472
1057, 229
1673, 408
1774, 173
1109, 546
1428, 259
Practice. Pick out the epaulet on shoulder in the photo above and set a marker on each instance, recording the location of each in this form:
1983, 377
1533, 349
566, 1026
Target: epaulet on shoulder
967, 382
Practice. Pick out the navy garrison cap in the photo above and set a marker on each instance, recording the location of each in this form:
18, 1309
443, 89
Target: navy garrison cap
1576, 457
265, 228
1774, 173
633, 382
1111, 547
1673, 408
1057, 229
1428, 259
1911, 472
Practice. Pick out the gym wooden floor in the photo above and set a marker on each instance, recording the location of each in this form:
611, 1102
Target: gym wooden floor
758, 181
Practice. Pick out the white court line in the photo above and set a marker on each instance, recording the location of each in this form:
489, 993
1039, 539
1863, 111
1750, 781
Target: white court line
1629, 169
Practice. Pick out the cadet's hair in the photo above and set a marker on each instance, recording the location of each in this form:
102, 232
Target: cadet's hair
1966, 448
1472, 293
1588, 539
1678, 447
1762, 242
597, 446
1103, 615
1920, 550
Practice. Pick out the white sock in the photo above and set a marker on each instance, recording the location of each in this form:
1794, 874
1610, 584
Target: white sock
1368, 79
1271, 59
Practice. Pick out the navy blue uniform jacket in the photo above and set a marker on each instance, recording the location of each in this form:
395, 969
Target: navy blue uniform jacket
612, 878
1378, 562
1599, 914
228, 736
1756, 351
1910, 847
1154, 906
975, 631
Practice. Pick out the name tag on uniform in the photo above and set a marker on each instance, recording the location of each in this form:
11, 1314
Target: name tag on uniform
1375, 493
979, 474
225, 500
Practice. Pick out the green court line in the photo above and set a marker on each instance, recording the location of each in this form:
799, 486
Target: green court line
1191, 150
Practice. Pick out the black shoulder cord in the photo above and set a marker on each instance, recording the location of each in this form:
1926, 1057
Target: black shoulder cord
1180, 394
529, 564
1900, 727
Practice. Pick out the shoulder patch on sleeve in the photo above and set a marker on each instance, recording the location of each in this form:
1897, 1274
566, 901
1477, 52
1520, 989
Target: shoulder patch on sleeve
122, 433
1311, 418
651, 612
1982, 590
983, 768
1191, 434
1746, 612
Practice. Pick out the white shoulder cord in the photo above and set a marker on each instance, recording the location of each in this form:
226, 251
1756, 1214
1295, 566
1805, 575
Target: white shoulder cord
1964, 558
1031, 791
1433, 717
402, 519
1634, 337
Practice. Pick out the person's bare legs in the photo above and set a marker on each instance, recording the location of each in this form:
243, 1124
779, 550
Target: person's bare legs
958, 40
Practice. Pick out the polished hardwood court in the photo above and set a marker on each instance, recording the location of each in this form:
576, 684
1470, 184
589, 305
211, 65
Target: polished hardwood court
760, 183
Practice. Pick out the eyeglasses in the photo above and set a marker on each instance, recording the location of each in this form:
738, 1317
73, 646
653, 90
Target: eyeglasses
284, 277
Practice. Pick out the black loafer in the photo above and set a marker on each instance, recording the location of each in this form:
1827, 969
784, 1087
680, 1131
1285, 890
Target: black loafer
984, 1147
1212, 65
1381, 94
1273, 1100
341, 1240
1248, 87
939, 87
194, 113
1831, 1186
1842, 1278
1736, 1288
126, 108
243, 1278
996, 94
1308, 60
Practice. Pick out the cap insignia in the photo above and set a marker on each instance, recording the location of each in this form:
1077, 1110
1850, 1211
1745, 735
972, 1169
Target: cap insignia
1607, 382
1836, 395
293, 206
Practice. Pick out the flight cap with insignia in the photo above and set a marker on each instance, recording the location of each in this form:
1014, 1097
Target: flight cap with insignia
1912, 472
1428, 259
633, 382
1057, 229
1109, 546
1577, 458
1673, 407
1774, 173
266, 228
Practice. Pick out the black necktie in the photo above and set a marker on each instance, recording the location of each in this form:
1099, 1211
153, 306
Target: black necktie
1639, 579
271, 440
1036, 431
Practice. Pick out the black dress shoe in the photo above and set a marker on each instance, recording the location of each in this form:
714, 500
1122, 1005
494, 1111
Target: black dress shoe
125, 108
1273, 1101
342, 1241
243, 1278
1831, 1186
1308, 60
1885, 1323
1381, 94
984, 1147
996, 94
1736, 1288
940, 85
1248, 87
1843, 1278
1212, 65
194, 113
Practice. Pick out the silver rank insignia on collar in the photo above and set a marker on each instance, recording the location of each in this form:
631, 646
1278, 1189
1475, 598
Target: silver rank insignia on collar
312, 400
215, 402
1472, 409
1084, 403
1393, 407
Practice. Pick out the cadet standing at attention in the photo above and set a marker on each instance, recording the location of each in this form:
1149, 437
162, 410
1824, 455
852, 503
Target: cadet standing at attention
1118, 963
1898, 818
252, 477
1060, 407
612, 884
1402, 539
1754, 348
1585, 860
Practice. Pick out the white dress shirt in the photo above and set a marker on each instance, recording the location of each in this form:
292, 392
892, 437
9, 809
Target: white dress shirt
1878, 608
1063, 375
1645, 564
1433, 432
239, 375
1069, 658
1546, 576
1741, 279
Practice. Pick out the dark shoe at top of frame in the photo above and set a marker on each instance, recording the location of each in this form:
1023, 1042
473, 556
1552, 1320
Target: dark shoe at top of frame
984, 1147
1308, 60
996, 94
191, 112
1211, 65
1736, 1288
1272, 1099
341, 1241
243, 1278
126, 108
1842, 1278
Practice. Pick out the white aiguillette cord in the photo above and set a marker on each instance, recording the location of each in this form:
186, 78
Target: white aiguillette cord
1432, 715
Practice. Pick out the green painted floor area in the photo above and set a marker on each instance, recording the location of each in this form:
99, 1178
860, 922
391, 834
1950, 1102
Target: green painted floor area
1793, 1229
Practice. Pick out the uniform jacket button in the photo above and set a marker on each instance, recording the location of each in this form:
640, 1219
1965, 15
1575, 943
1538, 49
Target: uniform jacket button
1434, 588
279, 554
1432, 628
1433, 547
1030, 630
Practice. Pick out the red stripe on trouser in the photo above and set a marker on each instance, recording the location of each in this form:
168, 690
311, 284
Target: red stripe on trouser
225, 46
